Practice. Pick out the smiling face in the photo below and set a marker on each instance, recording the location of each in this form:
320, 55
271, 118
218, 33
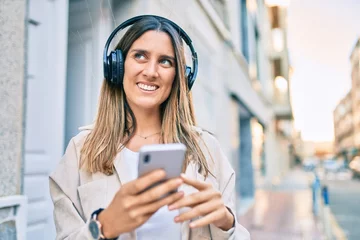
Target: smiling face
149, 71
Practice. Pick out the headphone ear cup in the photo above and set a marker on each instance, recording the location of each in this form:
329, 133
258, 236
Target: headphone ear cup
189, 76
119, 67
116, 67
107, 69
112, 64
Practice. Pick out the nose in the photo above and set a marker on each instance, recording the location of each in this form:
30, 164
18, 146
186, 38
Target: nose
151, 70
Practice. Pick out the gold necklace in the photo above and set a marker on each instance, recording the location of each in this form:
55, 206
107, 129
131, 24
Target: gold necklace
147, 136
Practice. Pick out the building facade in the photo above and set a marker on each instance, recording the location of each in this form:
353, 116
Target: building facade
355, 91
282, 146
347, 113
343, 124
234, 94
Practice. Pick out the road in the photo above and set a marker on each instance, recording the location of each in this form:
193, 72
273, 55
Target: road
345, 205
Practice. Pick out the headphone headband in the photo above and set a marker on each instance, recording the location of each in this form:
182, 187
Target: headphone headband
182, 33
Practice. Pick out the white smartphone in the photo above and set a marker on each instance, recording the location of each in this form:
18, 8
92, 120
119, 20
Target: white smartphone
169, 157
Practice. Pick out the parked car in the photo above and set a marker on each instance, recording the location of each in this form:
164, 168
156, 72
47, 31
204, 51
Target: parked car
331, 165
309, 164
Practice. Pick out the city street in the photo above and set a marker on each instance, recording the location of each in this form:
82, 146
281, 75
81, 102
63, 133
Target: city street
276, 82
344, 203
283, 211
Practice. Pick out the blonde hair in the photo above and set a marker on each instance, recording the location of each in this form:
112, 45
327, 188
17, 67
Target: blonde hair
115, 123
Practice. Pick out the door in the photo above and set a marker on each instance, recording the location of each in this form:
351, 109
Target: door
88, 28
45, 86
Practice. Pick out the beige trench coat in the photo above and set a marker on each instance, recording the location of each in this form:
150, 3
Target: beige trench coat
76, 193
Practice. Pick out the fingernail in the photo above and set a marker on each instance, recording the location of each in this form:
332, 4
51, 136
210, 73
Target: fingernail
162, 173
179, 181
172, 207
192, 225
176, 219
183, 175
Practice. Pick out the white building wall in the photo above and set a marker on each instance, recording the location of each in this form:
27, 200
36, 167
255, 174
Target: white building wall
45, 78
267, 86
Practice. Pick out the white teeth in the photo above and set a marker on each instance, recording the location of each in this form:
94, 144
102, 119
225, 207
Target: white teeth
147, 87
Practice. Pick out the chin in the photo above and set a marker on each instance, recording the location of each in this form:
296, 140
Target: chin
147, 105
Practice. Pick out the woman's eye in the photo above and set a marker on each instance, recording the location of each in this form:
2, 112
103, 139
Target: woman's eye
166, 62
139, 56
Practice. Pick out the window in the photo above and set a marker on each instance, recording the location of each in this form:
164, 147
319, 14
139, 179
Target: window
257, 52
277, 67
244, 30
275, 17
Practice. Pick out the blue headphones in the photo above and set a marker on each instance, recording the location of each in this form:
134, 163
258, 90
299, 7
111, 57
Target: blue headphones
114, 62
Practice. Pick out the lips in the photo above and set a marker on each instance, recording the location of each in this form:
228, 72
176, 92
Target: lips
147, 87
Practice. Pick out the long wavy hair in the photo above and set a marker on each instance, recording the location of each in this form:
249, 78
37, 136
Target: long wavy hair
115, 122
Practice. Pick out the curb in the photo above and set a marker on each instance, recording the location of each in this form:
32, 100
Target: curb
337, 231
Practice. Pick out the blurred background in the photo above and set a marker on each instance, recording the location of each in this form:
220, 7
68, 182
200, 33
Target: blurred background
278, 84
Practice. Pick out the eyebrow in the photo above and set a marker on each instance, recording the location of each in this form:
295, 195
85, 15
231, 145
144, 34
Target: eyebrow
147, 52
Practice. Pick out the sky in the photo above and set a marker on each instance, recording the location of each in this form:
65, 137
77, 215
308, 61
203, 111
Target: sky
321, 37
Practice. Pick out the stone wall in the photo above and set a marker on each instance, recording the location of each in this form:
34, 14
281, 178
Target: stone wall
12, 62
12, 69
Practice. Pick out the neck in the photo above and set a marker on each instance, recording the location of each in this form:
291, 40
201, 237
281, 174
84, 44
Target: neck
147, 121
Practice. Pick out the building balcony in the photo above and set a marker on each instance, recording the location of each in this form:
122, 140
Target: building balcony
282, 105
283, 112
344, 133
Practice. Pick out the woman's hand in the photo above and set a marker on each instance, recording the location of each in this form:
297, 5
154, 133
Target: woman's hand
207, 203
131, 207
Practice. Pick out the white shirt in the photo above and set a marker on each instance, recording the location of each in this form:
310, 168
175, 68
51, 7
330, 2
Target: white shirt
161, 225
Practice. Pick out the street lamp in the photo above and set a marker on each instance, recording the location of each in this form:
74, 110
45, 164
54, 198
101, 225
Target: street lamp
281, 84
278, 39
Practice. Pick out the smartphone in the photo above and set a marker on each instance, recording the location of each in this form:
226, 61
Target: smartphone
169, 157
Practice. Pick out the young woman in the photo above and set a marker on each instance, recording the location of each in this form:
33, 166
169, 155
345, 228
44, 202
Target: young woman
145, 99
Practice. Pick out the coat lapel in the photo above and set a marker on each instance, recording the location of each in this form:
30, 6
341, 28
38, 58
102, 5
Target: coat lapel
122, 169
105, 187
191, 173
123, 177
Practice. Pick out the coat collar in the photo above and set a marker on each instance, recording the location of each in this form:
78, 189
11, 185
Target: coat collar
122, 168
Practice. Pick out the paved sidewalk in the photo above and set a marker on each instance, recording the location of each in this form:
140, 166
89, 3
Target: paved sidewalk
283, 211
